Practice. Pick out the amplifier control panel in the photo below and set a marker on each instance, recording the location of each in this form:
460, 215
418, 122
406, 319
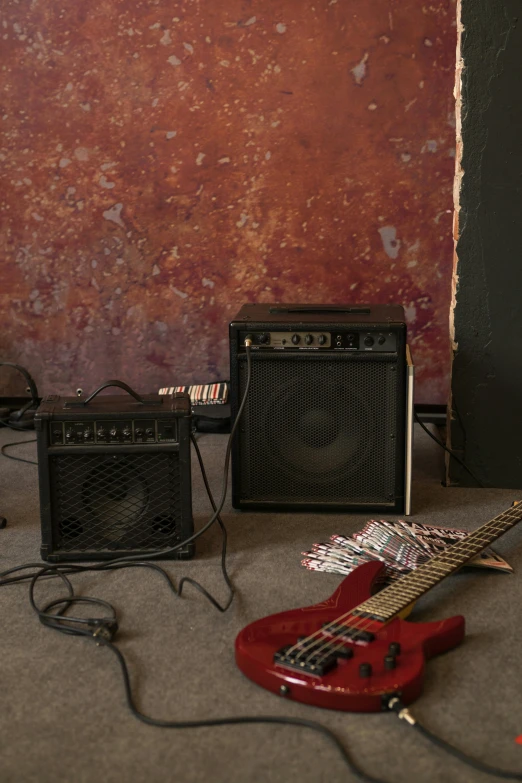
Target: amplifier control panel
340, 340
85, 433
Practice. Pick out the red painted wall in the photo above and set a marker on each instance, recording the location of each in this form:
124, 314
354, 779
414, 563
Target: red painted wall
163, 162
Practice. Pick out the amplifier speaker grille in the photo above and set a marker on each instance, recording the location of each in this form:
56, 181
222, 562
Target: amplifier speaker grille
319, 429
115, 501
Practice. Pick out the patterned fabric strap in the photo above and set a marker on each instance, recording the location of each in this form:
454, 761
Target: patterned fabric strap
201, 394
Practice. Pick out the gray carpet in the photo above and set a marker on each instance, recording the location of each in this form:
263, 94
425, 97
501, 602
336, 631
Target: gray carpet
63, 715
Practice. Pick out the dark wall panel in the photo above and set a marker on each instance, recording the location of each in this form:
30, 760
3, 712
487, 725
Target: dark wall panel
487, 367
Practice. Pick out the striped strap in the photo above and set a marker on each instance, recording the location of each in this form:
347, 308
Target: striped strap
201, 394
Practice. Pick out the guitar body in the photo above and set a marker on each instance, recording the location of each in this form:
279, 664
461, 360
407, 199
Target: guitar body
345, 685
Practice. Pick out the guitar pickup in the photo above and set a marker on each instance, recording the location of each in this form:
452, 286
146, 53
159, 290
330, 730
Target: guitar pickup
307, 660
348, 633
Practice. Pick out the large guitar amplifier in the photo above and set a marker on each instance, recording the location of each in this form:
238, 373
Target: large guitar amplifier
328, 419
114, 475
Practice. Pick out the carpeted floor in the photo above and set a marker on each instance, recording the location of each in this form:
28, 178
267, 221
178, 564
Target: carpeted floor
63, 715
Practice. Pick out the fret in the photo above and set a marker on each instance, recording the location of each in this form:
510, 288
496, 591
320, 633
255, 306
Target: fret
438, 567
397, 596
424, 582
407, 592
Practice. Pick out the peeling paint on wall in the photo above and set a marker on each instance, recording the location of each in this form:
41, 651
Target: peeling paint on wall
150, 149
458, 171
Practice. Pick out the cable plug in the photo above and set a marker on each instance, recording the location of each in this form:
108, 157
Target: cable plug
394, 704
105, 628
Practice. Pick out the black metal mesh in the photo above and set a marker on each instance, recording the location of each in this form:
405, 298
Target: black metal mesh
319, 429
105, 502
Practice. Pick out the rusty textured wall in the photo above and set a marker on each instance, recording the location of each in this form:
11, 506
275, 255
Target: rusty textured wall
163, 162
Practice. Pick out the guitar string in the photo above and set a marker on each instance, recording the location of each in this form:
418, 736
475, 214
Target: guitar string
464, 546
360, 628
356, 629
371, 622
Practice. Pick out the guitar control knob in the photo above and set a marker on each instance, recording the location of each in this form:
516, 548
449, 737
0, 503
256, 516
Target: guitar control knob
309, 339
321, 339
365, 669
390, 662
394, 648
296, 339
369, 341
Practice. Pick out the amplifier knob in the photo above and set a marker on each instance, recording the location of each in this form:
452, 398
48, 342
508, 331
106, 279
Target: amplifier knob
100, 433
68, 435
309, 339
138, 432
369, 341
296, 339
126, 432
381, 340
321, 339
113, 432
264, 339
149, 432
87, 434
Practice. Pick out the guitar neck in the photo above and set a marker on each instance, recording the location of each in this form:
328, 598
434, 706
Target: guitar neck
393, 599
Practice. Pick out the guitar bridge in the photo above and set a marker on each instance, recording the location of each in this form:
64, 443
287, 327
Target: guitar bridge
313, 659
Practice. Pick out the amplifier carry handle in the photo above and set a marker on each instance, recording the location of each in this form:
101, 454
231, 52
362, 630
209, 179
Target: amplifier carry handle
121, 385
318, 310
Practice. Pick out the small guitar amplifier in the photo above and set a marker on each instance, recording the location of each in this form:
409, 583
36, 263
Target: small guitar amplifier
114, 475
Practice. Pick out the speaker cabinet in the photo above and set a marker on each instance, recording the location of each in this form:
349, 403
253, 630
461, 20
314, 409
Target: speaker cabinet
114, 476
327, 423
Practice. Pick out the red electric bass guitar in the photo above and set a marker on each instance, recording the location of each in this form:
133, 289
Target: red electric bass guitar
353, 650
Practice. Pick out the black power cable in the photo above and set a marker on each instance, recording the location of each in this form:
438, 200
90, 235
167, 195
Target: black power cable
224, 540
18, 416
395, 705
449, 451
17, 443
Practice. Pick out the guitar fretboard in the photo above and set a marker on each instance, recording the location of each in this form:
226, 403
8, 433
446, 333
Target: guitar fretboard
393, 599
